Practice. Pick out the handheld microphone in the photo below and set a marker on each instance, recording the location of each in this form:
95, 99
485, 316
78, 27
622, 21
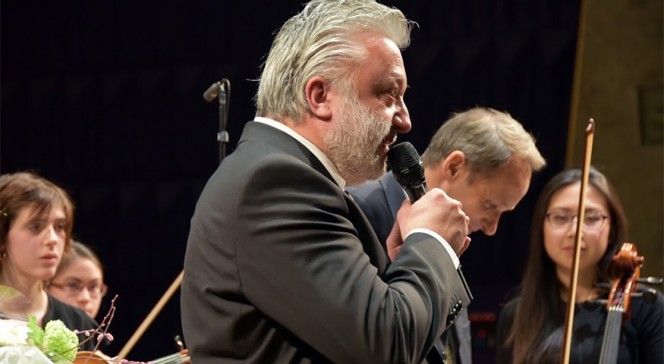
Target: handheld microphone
406, 166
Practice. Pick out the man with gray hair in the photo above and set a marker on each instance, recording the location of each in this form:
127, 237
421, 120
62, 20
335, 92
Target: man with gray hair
281, 265
481, 157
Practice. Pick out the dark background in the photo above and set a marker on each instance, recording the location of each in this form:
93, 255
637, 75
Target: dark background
104, 98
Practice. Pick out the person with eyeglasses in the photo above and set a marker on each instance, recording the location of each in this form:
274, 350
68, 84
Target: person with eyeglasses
530, 327
36, 221
79, 280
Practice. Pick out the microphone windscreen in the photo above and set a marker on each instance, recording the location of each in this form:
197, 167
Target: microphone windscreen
212, 92
406, 165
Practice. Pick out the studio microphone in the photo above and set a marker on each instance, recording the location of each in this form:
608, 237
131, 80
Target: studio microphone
406, 166
212, 92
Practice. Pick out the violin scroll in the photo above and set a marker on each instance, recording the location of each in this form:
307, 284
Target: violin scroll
626, 261
626, 268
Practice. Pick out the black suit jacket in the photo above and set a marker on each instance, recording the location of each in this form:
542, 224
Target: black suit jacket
282, 266
380, 200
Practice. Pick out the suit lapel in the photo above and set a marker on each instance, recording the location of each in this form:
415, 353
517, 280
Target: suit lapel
394, 193
288, 144
367, 236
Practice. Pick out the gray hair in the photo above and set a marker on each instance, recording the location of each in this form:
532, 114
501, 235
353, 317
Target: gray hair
487, 137
322, 40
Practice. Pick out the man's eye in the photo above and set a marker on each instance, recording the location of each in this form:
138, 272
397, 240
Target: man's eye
391, 96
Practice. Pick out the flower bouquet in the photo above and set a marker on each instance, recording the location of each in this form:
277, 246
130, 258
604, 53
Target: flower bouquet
26, 342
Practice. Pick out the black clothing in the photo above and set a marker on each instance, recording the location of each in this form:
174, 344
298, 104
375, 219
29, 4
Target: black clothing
641, 336
74, 318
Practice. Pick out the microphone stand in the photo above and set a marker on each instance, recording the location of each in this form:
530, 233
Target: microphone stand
222, 91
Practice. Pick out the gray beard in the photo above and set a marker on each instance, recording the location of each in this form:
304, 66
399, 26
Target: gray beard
353, 143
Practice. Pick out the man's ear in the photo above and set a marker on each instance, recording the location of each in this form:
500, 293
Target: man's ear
454, 165
317, 94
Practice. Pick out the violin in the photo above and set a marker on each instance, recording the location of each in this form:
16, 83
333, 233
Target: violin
181, 357
97, 357
626, 268
89, 357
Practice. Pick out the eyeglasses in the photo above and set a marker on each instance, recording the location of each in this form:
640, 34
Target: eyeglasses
562, 220
75, 288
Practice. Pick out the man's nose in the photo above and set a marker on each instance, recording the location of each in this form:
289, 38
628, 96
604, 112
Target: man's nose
401, 119
490, 227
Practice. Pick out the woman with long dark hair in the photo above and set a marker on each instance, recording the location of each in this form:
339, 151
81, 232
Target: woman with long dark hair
530, 327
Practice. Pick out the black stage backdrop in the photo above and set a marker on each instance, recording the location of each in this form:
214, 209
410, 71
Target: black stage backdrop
104, 98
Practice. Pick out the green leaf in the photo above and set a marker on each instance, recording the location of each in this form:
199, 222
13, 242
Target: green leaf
36, 333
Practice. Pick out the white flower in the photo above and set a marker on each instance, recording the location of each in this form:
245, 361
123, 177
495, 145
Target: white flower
13, 332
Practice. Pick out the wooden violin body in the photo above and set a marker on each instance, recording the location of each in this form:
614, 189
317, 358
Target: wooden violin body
89, 357
85, 356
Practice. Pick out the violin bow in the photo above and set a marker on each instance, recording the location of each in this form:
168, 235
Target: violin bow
571, 301
151, 316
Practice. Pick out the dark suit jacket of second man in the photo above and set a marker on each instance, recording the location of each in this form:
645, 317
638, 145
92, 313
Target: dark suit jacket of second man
380, 200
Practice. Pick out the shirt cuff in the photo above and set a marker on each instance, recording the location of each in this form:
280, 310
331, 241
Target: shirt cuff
445, 244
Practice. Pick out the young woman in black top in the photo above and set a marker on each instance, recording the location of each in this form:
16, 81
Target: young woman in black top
36, 218
530, 328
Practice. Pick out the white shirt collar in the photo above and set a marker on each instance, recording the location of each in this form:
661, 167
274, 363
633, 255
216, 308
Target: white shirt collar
327, 163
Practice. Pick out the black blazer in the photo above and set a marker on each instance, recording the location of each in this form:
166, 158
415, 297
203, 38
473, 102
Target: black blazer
282, 266
380, 200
